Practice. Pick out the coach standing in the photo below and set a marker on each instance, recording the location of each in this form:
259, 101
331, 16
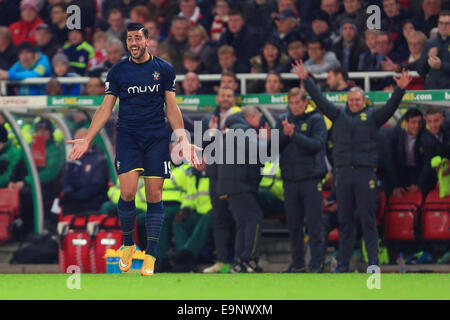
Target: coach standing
355, 159
302, 161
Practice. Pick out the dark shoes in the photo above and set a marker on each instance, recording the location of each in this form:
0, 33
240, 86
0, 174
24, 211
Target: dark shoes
293, 269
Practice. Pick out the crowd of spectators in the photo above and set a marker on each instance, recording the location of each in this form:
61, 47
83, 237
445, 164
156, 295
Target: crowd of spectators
214, 36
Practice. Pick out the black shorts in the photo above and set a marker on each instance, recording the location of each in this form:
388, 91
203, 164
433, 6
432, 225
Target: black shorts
147, 152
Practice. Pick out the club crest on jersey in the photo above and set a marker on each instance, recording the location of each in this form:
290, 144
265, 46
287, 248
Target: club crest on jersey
156, 75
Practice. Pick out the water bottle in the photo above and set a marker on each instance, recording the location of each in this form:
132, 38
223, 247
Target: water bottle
401, 264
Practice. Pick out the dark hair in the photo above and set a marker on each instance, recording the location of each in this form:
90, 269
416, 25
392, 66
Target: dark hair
231, 74
135, 26
444, 13
275, 43
318, 40
342, 71
236, 11
434, 110
61, 5
385, 33
275, 73
412, 113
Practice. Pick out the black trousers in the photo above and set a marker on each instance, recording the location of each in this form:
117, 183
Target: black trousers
223, 224
356, 194
248, 217
303, 199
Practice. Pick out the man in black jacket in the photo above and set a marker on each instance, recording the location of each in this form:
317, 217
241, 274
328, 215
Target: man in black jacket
214, 124
407, 153
302, 161
355, 159
238, 180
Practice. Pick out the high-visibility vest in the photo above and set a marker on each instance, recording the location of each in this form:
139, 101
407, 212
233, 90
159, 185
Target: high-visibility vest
271, 180
197, 194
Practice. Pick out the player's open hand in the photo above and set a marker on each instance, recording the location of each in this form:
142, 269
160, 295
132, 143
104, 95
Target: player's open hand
80, 147
404, 80
189, 153
299, 69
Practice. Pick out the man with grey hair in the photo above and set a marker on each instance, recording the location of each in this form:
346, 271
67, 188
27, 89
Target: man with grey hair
238, 180
8, 52
355, 155
114, 53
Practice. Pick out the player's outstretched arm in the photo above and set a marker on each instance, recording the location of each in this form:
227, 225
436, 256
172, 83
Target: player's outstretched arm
175, 118
101, 116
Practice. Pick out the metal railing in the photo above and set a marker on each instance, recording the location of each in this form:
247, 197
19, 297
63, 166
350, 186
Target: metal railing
243, 78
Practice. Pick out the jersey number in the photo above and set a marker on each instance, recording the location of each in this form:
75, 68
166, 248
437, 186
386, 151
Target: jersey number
166, 167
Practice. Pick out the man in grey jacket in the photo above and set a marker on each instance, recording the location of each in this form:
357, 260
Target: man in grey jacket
320, 60
355, 156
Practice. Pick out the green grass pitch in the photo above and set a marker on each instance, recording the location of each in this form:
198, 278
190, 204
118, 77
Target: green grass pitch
267, 286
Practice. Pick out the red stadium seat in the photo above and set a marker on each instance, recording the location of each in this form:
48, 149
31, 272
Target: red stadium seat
435, 218
334, 235
400, 221
9, 210
414, 198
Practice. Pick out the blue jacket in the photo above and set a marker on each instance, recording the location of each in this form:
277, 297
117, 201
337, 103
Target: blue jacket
41, 68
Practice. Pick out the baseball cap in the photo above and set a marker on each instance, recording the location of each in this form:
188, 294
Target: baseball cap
287, 13
29, 3
44, 124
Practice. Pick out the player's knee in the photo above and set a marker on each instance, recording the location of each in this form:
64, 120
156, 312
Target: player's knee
127, 195
154, 196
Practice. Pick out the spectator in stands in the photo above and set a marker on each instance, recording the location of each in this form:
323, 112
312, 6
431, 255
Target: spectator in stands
177, 43
95, 87
286, 4
320, 26
296, 49
155, 50
191, 84
199, 42
45, 41
8, 52
153, 30
286, 24
139, 14
10, 157
100, 39
368, 57
320, 60
434, 64
114, 53
54, 88
435, 142
31, 64
407, 154
428, 17
348, 48
117, 25
79, 51
393, 23
220, 20
353, 10
434, 33
190, 10
302, 136
60, 64
416, 43
383, 48
337, 80
245, 41
229, 80
273, 84
9, 12
23, 30
270, 58
123, 6
49, 176
332, 8
229, 62
193, 63
258, 12
85, 183
163, 11
59, 28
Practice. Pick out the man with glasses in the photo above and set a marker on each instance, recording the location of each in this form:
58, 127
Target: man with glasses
434, 64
